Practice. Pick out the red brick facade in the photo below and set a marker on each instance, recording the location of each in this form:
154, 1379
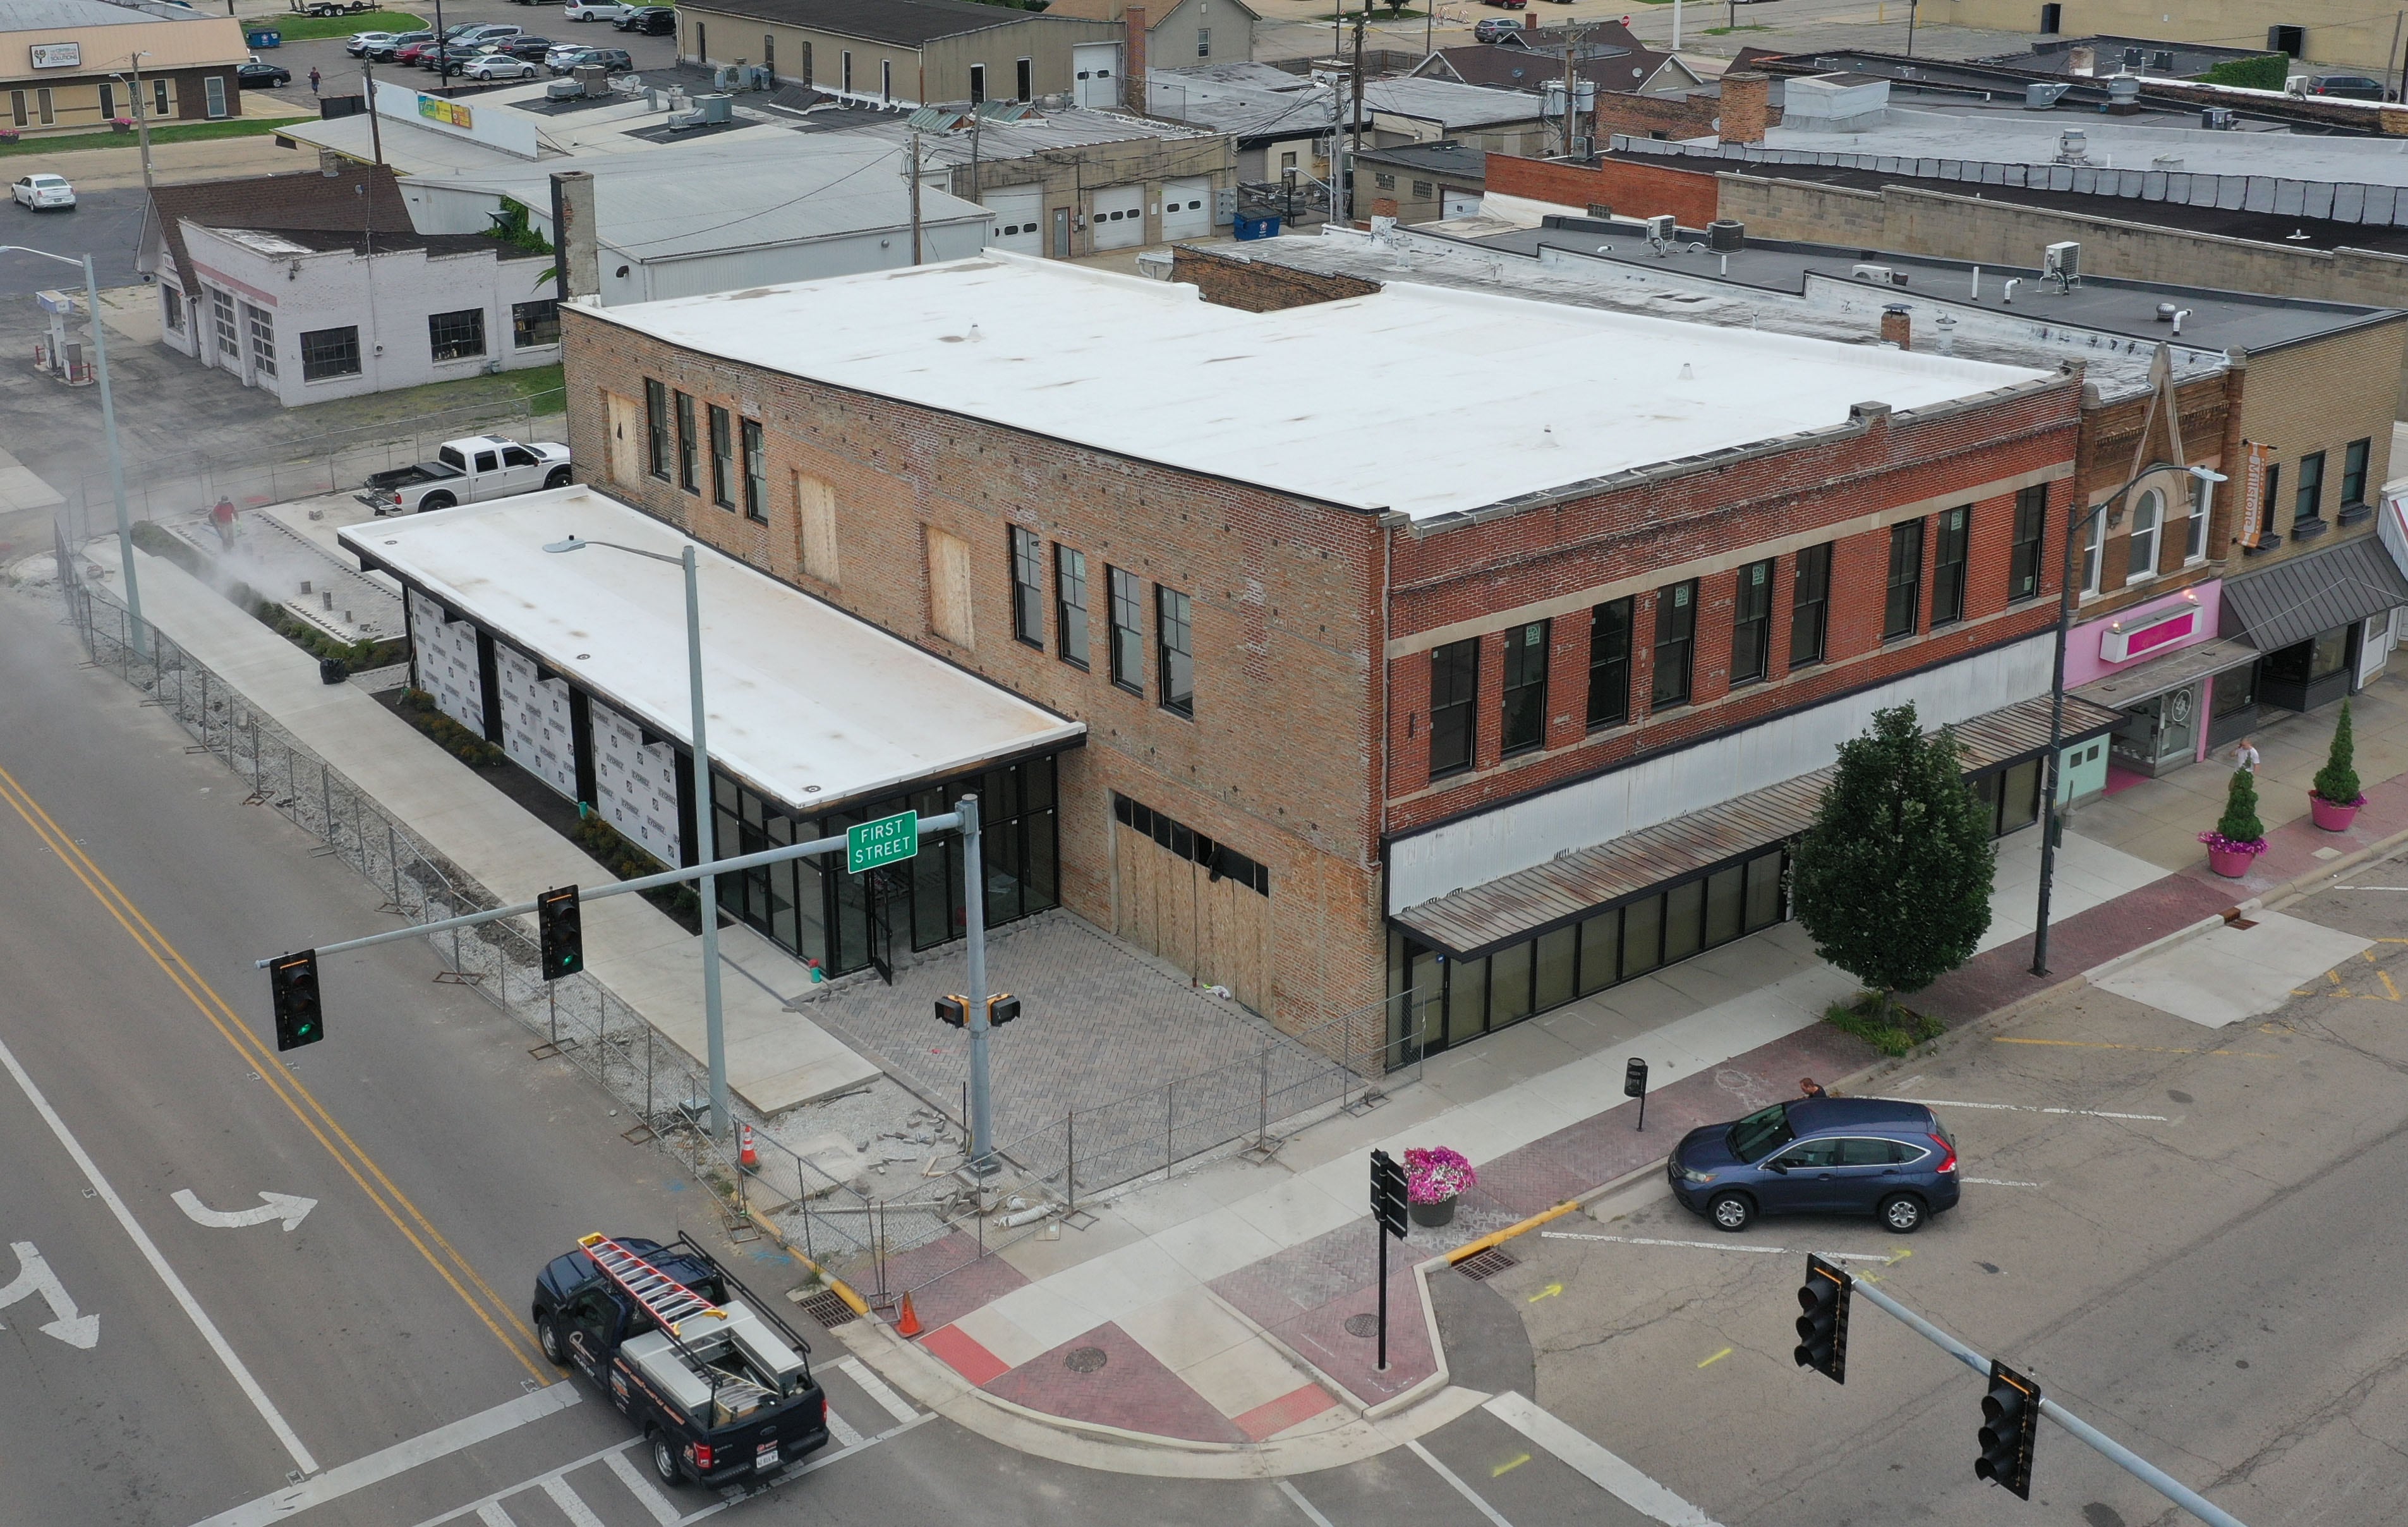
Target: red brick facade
1632, 191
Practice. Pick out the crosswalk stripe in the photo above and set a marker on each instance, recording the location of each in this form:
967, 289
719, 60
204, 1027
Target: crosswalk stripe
492, 1515
845, 1435
1603, 1468
641, 1487
875, 1387
1295, 1497
1460, 1487
572, 1505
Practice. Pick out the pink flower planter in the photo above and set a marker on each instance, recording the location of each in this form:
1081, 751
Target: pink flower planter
2331, 817
2232, 864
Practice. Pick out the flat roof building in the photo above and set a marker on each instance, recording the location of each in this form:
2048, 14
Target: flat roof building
61, 62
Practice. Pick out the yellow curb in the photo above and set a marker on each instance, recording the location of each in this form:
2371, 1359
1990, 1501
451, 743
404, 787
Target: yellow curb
1472, 1249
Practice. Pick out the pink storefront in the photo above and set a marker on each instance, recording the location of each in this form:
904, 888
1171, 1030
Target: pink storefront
2181, 687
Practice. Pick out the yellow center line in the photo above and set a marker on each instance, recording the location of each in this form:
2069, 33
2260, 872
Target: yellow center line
314, 1117
1716, 1358
2153, 1049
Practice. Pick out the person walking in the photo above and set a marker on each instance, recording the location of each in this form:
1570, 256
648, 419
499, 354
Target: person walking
222, 517
313, 79
2245, 755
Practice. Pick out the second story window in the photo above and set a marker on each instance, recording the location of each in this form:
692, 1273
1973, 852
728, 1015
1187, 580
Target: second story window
723, 458
2307, 505
1129, 643
2148, 521
656, 429
1174, 635
1948, 565
1454, 690
1752, 624
1071, 605
1028, 588
2195, 542
757, 473
2353, 473
1676, 633
1901, 603
2093, 541
1525, 715
1609, 664
2024, 550
685, 443
1809, 605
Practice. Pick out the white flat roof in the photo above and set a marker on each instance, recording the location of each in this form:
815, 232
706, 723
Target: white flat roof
1416, 400
810, 706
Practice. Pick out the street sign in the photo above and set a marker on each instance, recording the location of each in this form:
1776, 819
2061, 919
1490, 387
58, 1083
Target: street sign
1388, 1192
889, 840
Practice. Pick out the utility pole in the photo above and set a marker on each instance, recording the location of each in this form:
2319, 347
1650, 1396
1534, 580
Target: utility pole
141, 118
1572, 64
982, 1162
1354, 148
915, 198
376, 134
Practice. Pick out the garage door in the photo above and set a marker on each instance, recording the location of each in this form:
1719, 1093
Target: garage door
445, 654
1096, 64
1017, 209
1200, 904
1187, 208
1458, 204
1118, 221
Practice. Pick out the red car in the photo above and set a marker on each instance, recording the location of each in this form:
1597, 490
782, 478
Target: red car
414, 53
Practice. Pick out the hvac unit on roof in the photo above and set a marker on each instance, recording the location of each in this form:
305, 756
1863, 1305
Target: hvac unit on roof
2062, 261
1662, 228
1882, 275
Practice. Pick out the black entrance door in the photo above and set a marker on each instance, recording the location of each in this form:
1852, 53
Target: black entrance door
879, 893
2312, 673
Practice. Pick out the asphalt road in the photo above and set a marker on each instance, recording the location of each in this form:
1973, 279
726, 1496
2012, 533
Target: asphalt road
104, 224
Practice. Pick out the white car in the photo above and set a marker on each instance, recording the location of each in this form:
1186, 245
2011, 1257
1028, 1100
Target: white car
559, 53
499, 66
360, 42
585, 11
37, 192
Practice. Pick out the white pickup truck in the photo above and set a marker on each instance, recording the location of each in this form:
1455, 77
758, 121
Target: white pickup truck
468, 471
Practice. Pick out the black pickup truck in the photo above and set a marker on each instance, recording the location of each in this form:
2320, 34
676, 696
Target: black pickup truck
722, 1389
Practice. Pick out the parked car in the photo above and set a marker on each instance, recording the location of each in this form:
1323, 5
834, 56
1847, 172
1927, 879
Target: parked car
529, 48
558, 50
2349, 87
497, 66
413, 52
614, 60
1836, 1155
489, 32
593, 10
1495, 29
41, 192
636, 18
468, 471
392, 46
360, 42
253, 74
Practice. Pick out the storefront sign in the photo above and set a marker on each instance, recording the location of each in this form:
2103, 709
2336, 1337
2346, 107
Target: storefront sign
435, 108
2252, 495
58, 55
2124, 640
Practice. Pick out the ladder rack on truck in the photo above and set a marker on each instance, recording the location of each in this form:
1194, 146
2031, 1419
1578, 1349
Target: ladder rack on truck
675, 1310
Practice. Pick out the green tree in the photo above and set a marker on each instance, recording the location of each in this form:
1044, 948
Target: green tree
2337, 782
2240, 821
1893, 881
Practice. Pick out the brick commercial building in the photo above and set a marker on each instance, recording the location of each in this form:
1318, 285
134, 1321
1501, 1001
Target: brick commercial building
1373, 701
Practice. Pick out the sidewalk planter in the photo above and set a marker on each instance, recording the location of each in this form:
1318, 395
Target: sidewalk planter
2238, 836
2234, 861
2334, 798
1434, 1177
2333, 818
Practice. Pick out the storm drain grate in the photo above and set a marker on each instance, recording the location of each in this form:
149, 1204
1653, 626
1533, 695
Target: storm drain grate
825, 1308
1482, 1265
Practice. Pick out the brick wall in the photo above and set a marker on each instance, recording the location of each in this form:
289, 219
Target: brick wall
2111, 437
1232, 280
1632, 190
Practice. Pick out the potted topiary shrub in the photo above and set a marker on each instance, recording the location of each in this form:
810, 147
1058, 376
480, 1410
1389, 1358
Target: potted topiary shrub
1433, 1178
2334, 799
2239, 837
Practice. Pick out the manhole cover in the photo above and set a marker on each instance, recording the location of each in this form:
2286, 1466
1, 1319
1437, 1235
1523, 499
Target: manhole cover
1086, 1360
1362, 1325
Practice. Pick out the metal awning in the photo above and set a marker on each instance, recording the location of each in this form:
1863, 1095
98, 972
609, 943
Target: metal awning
1471, 922
2147, 681
2294, 600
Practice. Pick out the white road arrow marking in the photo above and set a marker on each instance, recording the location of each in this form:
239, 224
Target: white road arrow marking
282, 1206
34, 1276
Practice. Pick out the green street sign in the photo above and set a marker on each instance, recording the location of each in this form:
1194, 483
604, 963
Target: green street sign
889, 840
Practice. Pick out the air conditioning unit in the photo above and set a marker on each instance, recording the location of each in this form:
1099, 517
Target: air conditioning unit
1663, 228
1882, 275
1725, 235
2217, 118
564, 89
2062, 260
714, 109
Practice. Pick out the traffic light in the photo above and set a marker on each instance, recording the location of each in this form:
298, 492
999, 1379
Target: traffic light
562, 931
2010, 1427
1388, 1192
1823, 1329
293, 986
1001, 1009
954, 1010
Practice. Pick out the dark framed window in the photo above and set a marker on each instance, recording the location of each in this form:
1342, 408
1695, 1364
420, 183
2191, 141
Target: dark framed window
1752, 624
756, 472
1523, 715
686, 445
1948, 565
1175, 641
2307, 495
1028, 588
1454, 690
1809, 605
723, 458
1609, 664
174, 300
2024, 549
656, 429
534, 324
1071, 605
330, 353
2353, 472
1900, 605
1128, 644
456, 336
1676, 641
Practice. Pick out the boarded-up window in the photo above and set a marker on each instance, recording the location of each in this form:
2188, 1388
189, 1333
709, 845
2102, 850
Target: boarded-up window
815, 526
948, 587
626, 442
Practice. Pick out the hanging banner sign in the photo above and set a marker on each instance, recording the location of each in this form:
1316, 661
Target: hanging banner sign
2252, 495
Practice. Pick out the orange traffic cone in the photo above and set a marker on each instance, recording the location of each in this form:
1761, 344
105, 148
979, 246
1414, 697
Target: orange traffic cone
746, 1156
909, 1325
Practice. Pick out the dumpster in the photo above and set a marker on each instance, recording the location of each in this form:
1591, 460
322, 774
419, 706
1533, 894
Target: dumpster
264, 37
1259, 227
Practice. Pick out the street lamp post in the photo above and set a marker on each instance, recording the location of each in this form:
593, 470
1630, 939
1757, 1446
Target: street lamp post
714, 1025
2065, 599
108, 428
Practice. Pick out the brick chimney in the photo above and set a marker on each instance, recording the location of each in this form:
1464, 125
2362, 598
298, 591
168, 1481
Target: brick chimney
1746, 102
1133, 61
1898, 326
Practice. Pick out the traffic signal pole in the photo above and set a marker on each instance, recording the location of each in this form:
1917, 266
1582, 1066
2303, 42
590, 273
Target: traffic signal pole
2106, 1447
981, 1158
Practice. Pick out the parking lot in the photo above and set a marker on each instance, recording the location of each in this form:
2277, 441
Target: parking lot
2188, 1234
339, 72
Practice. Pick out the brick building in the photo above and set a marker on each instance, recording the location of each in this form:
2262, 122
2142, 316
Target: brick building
1373, 703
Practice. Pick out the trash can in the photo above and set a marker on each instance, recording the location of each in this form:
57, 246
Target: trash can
332, 670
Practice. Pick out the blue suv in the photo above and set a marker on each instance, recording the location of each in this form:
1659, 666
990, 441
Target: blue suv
1838, 1155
